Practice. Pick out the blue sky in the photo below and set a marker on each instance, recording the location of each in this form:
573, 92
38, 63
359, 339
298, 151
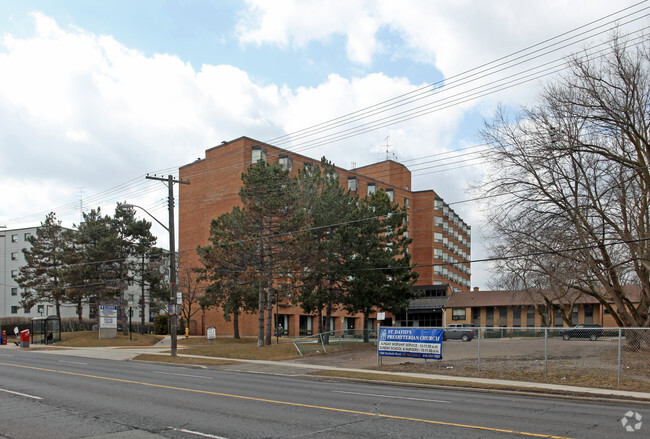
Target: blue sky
95, 94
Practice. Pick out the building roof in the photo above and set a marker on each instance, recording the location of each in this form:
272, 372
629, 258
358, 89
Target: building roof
476, 298
427, 303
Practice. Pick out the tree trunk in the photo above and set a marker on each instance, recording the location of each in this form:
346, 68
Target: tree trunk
235, 326
260, 314
328, 320
366, 332
79, 310
319, 324
269, 315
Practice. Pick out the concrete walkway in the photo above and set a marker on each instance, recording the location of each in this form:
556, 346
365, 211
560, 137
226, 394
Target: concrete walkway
353, 362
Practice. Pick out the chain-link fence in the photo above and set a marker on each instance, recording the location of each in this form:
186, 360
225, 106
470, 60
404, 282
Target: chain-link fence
584, 355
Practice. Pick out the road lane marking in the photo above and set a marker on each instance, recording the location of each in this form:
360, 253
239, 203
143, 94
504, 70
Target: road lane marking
198, 433
390, 396
20, 394
73, 362
6, 355
292, 404
183, 375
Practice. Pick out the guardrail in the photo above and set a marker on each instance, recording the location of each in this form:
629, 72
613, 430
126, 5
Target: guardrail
334, 341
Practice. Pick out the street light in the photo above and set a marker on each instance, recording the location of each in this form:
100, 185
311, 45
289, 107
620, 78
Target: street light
172, 272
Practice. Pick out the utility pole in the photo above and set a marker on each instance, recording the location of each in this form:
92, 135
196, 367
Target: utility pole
173, 307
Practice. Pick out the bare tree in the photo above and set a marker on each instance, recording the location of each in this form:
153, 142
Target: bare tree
192, 286
569, 186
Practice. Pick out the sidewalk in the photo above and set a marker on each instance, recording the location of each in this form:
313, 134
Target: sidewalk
351, 362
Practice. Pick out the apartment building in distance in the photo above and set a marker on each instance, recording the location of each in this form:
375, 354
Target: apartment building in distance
441, 239
12, 243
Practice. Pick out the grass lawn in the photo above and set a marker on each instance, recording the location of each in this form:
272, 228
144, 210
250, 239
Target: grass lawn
245, 351
87, 339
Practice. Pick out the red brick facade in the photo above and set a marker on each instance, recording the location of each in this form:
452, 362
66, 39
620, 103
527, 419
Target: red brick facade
440, 238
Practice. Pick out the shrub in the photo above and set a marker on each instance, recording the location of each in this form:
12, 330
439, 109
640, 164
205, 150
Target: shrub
161, 324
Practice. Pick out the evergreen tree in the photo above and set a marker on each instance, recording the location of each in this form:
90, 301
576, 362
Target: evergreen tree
329, 207
379, 274
271, 204
89, 278
232, 285
44, 270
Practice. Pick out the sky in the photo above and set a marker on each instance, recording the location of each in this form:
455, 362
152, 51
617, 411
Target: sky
95, 94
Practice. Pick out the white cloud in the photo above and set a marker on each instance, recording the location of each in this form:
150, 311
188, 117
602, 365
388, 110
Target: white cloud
452, 35
294, 23
82, 110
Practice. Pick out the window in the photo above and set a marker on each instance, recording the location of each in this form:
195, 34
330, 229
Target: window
348, 323
14, 310
489, 316
438, 204
516, 316
574, 315
458, 314
286, 162
27, 236
333, 175
372, 188
558, 318
391, 194
14, 256
530, 316
437, 270
305, 323
437, 237
437, 221
14, 238
258, 153
353, 184
437, 253
14, 274
503, 316
40, 309
589, 313
407, 203
309, 168
14, 291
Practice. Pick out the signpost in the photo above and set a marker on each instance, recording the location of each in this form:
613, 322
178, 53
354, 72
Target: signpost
212, 334
107, 321
410, 342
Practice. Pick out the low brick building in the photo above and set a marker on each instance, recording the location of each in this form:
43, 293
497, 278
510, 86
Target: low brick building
521, 309
441, 239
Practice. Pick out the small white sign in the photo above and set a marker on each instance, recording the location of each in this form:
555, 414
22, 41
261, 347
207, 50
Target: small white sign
381, 316
212, 333
179, 298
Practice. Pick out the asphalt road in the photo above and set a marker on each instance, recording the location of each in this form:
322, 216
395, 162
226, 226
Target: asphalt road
46, 396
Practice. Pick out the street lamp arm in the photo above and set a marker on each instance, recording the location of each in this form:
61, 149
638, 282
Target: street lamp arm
131, 206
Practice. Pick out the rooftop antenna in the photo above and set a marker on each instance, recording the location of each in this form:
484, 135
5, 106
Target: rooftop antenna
81, 204
389, 155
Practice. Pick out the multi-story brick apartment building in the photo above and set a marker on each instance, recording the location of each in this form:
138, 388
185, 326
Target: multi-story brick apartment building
441, 239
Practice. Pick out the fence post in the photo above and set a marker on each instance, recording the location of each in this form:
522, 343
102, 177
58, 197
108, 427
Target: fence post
479, 349
378, 331
545, 352
618, 379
